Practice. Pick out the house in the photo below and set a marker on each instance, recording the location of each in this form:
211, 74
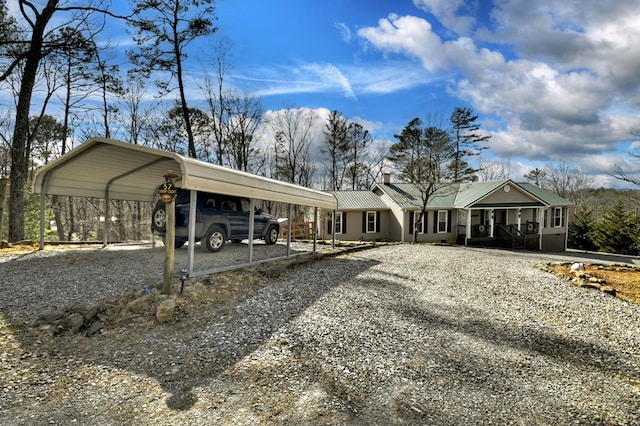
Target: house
361, 216
504, 213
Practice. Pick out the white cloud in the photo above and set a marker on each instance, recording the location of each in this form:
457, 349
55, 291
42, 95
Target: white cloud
304, 78
451, 13
345, 32
569, 82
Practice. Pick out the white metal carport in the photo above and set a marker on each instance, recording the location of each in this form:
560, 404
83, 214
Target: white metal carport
114, 170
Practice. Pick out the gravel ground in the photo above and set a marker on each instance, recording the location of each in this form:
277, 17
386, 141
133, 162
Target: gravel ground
399, 334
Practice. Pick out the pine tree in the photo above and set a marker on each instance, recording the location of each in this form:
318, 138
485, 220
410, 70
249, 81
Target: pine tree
618, 232
581, 230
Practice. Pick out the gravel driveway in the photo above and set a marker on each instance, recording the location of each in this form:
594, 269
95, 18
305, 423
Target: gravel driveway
400, 334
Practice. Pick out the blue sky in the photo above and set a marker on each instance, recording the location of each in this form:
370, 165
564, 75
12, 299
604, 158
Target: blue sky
551, 80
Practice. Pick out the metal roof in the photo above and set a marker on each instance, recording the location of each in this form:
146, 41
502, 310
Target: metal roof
105, 168
358, 200
468, 195
407, 195
548, 197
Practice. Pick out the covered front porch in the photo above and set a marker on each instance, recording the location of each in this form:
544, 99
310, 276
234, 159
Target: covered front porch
509, 227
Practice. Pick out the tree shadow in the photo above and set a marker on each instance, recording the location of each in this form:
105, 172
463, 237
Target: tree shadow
204, 339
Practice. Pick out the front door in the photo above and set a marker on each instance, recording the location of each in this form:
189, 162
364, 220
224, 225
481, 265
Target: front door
500, 217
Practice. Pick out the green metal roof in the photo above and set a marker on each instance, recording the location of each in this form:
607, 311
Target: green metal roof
358, 200
471, 194
407, 195
546, 196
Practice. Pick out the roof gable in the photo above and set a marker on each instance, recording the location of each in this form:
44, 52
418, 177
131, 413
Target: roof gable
491, 194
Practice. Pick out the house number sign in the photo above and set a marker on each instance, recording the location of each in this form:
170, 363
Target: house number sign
167, 191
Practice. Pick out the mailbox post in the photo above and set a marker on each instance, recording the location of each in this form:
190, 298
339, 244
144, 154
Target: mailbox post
167, 194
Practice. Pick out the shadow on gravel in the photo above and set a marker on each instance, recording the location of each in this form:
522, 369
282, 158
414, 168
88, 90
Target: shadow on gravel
203, 340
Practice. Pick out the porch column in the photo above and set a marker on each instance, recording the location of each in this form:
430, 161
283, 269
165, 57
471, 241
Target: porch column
492, 222
467, 229
540, 226
519, 218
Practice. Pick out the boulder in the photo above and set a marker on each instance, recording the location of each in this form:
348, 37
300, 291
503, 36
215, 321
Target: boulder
48, 318
73, 322
137, 306
87, 310
95, 327
165, 310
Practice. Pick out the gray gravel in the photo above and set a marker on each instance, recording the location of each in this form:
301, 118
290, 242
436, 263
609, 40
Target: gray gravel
402, 334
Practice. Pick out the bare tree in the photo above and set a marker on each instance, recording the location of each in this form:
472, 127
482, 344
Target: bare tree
292, 129
27, 47
335, 149
424, 157
358, 141
496, 169
217, 98
164, 30
246, 113
620, 173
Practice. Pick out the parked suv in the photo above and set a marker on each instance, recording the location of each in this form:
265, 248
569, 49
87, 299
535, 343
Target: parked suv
218, 218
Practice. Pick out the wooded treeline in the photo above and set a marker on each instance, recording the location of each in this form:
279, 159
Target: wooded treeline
67, 86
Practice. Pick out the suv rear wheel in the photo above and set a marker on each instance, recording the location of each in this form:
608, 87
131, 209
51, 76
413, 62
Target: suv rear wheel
177, 243
159, 219
215, 238
271, 237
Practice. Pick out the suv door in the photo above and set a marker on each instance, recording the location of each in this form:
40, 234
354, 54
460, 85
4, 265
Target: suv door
238, 222
258, 220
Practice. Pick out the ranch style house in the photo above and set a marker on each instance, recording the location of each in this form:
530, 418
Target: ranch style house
497, 213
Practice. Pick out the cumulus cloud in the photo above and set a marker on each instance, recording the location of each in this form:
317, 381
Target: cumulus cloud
568, 66
452, 13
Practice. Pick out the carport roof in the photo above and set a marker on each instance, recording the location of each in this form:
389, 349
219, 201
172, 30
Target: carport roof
105, 168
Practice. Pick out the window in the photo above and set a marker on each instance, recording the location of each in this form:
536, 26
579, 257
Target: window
413, 217
557, 217
371, 222
442, 221
338, 227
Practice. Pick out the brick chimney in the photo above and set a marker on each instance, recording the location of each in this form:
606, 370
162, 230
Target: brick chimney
386, 178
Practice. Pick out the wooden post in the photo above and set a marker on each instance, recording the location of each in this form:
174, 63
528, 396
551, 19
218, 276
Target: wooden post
4, 185
170, 246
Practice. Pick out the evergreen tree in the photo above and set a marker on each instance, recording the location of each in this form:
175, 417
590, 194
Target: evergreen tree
468, 142
581, 230
618, 232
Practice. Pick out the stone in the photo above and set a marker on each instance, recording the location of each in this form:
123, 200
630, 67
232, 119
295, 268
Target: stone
95, 327
165, 310
73, 322
87, 310
137, 306
48, 318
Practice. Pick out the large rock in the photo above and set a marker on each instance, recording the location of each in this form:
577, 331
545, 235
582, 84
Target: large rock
73, 322
137, 306
48, 318
165, 310
87, 310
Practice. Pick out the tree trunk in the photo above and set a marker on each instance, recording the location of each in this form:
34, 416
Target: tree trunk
19, 154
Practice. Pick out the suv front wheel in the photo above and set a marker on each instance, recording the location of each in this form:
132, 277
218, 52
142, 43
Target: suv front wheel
215, 239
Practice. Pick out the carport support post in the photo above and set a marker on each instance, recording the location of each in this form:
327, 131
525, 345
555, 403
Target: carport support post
315, 227
43, 200
289, 228
252, 206
170, 246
